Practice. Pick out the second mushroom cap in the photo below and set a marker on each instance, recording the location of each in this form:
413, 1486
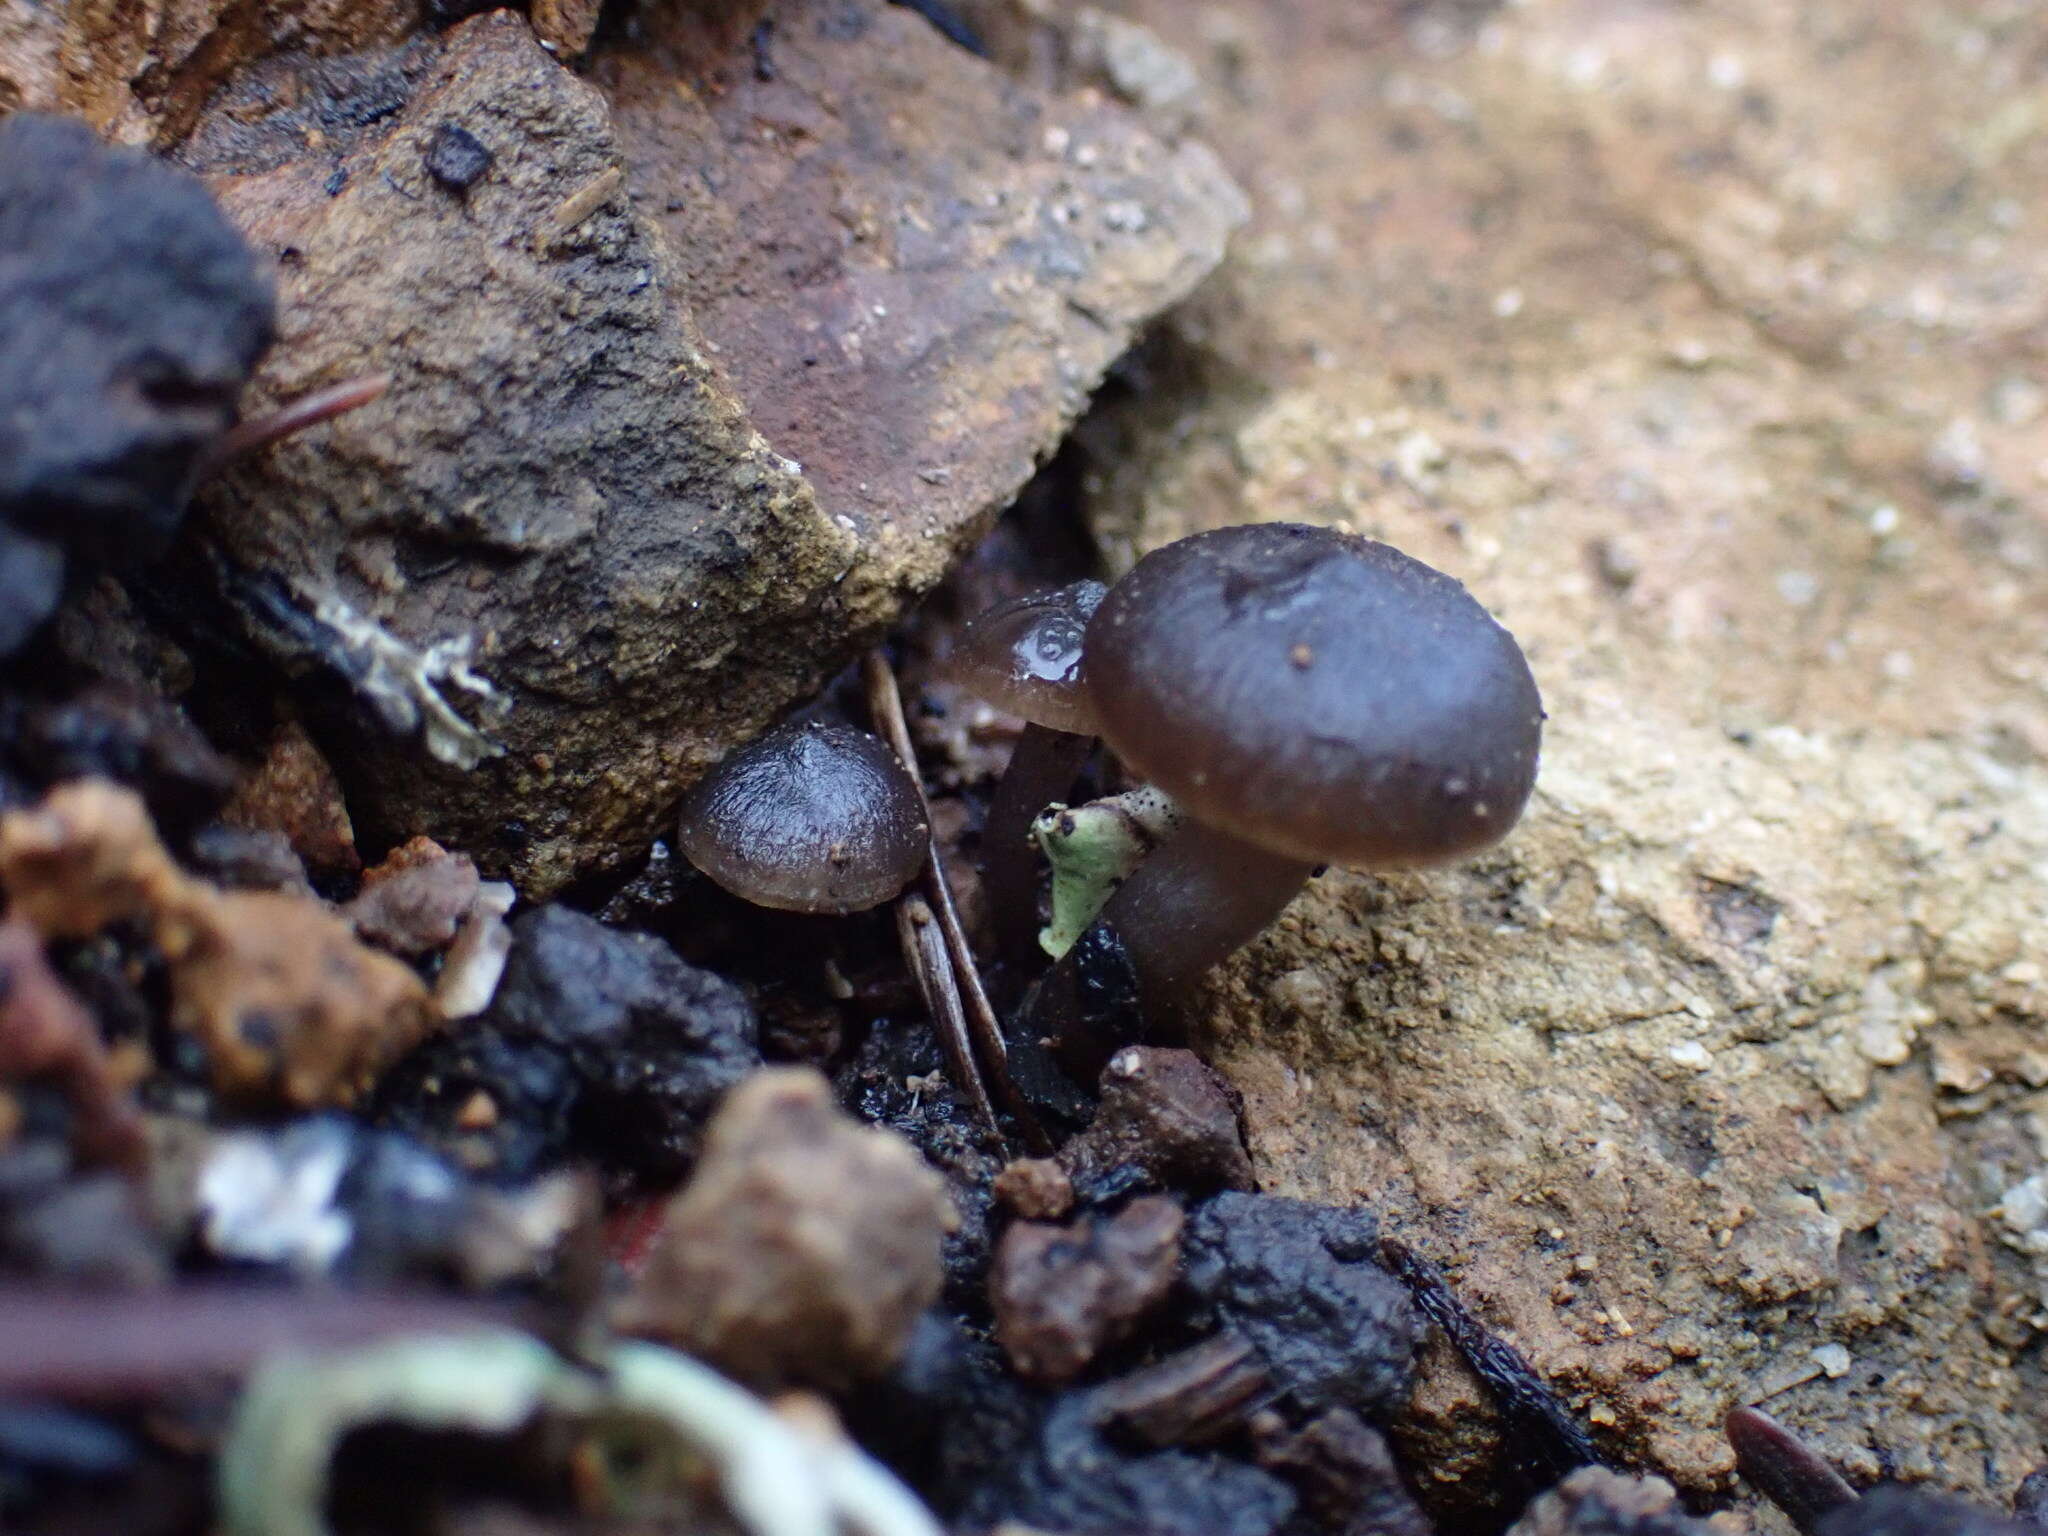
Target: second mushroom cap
808, 818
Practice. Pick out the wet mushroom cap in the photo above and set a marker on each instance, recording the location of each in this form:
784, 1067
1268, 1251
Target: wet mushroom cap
807, 818
1024, 656
1317, 694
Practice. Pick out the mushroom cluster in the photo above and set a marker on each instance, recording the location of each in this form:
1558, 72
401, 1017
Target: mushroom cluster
1304, 696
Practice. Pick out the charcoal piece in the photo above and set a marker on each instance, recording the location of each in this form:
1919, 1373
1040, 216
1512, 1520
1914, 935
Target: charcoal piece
113, 732
1543, 1440
897, 1078
133, 314
491, 1103
983, 1448
1192, 1397
1345, 1474
48, 1438
947, 21
57, 1224
1070, 1478
1890, 1510
655, 1042
2030, 1499
456, 158
1062, 1294
31, 584
1167, 1115
1596, 1502
1299, 1282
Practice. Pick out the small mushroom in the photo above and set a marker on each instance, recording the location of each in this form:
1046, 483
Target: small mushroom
808, 818
1306, 696
1024, 656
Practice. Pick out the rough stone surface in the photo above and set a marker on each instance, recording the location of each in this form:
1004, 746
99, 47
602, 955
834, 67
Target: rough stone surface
805, 1245
560, 551
140, 73
1649, 326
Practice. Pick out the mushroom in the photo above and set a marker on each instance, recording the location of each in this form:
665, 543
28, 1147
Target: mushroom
1306, 696
808, 818
1024, 656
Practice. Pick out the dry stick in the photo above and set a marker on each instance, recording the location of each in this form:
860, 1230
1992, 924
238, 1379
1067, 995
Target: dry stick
295, 416
885, 704
131, 1346
924, 946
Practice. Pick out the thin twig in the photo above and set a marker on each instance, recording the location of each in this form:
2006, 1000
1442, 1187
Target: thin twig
108, 1346
885, 704
295, 416
924, 947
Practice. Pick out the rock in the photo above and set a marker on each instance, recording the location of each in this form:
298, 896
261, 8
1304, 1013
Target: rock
134, 313
124, 734
1036, 1188
288, 1006
599, 1045
239, 859
655, 1043
1068, 1477
804, 1247
412, 903
1165, 1116
1298, 1281
1596, 1502
1731, 1050
1063, 1294
697, 488
1345, 1473
294, 792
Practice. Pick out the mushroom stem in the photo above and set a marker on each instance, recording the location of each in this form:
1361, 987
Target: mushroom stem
1198, 898
1042, 768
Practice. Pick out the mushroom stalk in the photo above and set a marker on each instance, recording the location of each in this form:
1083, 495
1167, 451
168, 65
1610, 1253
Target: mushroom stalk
1200, 897
1042, 768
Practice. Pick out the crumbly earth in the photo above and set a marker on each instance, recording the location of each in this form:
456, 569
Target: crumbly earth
1726, 394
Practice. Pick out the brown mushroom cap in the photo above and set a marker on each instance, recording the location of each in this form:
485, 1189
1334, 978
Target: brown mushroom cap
808, 818
1024, 656
1317, 694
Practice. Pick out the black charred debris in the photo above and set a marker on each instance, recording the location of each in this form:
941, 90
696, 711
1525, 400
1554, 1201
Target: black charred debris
133, 314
